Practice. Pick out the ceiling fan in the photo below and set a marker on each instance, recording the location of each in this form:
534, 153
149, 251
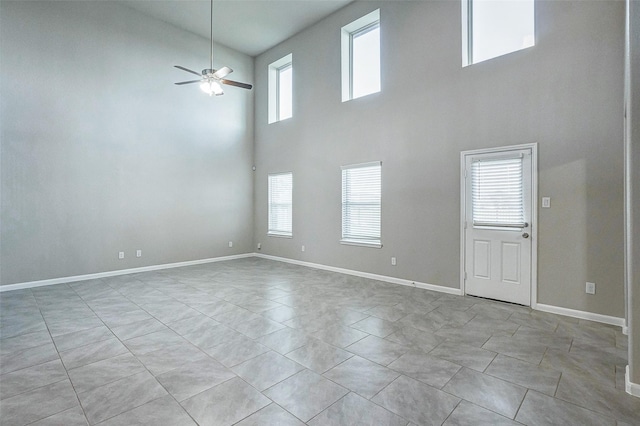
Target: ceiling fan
211, 80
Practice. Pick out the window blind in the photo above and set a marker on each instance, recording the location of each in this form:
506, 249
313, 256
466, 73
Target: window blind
280, 204
497, 192
361, 203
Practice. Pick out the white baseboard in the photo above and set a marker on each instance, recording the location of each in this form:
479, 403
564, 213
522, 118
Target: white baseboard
605, 319
384, 278
85, 277
455, 291
629, 386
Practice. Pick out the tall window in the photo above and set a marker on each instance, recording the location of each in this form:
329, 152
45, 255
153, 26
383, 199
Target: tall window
361, 57
493, 28
361, 204
281, 89
285, 92
280, 204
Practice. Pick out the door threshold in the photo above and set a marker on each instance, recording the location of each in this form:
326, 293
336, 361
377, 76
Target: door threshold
497, 300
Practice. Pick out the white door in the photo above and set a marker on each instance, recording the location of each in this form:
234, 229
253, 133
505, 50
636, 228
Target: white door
497, 225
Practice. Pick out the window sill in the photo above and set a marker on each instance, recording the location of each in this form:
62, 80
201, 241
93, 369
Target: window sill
274, 234
361, 243
280, 120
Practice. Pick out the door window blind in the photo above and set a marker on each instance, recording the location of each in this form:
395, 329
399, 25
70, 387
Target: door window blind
361, 203
497, 192
280, 204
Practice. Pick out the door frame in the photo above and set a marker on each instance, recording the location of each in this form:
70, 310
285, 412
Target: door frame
534, 212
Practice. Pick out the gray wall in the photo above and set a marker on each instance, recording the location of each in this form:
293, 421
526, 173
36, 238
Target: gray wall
102, 153
566, 94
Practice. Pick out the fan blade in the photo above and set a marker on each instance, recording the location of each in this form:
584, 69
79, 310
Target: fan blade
188, 70
188, 82
222, 72
237, 84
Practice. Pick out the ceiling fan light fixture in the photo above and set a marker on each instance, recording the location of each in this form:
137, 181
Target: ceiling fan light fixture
211, 87
211, 79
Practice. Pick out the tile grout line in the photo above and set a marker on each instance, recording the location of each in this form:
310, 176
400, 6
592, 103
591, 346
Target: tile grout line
521, 404
453, 411
143, 365
131, 375
228, 368
63, 365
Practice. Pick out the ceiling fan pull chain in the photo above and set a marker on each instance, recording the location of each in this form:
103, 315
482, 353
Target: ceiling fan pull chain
211, 34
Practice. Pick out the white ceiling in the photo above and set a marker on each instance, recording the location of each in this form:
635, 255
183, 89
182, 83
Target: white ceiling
249, 26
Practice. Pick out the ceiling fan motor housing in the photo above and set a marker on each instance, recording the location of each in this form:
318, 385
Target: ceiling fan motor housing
208, 72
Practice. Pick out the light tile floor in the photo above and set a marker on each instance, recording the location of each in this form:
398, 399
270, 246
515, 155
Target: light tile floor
257, 342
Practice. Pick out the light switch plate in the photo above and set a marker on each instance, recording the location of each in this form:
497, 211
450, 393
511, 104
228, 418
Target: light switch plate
546, 202
591, 288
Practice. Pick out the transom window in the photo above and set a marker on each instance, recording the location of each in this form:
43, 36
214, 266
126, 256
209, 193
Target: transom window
493, 28
281, 204
285, 92
361, 204
361, 57
281, 89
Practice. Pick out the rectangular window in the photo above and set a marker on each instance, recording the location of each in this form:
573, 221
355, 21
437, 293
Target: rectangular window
497, 194
285, 92
281, 89
493, 28
361, 57
361, 204
281, 204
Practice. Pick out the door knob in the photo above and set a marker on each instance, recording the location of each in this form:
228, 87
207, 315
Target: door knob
525, 235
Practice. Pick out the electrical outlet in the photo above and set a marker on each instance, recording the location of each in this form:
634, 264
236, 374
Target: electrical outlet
138, 253
259, 246
230, 243
591, 288
393, 261
302, 248
546, 202
120, 255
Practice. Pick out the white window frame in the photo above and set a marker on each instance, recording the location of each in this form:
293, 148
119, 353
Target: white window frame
355, 241
278, 232
357, 27
467, 35
274, 87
